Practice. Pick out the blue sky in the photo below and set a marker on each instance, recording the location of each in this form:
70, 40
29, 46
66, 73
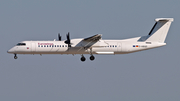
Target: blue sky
147, 75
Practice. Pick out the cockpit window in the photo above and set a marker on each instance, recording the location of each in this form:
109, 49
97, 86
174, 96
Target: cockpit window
21, 44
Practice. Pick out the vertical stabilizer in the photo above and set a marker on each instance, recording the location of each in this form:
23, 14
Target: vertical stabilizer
159, 31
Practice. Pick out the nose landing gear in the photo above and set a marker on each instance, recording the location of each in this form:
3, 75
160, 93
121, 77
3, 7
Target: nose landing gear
15, 57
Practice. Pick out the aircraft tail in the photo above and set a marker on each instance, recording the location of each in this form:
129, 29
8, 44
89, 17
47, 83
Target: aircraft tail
159, 31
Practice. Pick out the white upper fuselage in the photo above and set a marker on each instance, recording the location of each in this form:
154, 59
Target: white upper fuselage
80, 47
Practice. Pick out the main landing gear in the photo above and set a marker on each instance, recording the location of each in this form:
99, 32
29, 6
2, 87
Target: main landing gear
84, 59
91, 57
15, 57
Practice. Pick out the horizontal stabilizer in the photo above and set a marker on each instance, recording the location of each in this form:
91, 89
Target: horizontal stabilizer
164, 19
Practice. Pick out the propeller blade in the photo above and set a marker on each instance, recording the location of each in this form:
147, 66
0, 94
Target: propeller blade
68, 41
68, 36
59, 37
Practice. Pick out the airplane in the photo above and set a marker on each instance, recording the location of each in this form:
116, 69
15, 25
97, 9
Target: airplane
96, 45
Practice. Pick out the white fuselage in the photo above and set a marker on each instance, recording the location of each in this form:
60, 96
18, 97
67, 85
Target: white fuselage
79, 47
95, 44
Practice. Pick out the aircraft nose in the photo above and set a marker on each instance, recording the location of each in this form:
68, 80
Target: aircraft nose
10, 51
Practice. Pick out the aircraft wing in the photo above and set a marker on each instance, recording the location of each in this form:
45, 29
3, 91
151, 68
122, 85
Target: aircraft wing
87, 43
93, 38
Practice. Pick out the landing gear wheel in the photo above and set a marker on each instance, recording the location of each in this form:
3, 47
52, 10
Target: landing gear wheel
92, 58
15, 57
83, 58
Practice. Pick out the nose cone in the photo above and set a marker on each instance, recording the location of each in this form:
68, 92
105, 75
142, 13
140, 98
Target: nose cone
11, 50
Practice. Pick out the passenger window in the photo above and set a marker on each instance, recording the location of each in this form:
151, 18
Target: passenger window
57, 45
38, 45
42, 46
54, 45
49, 45
62, 45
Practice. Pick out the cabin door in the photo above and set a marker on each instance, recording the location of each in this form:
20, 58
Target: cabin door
119, 47
33, 47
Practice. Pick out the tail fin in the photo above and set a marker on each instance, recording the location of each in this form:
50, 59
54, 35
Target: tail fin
159, 31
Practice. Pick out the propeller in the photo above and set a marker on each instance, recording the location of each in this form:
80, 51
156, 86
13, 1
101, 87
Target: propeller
59, 37
68, 41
